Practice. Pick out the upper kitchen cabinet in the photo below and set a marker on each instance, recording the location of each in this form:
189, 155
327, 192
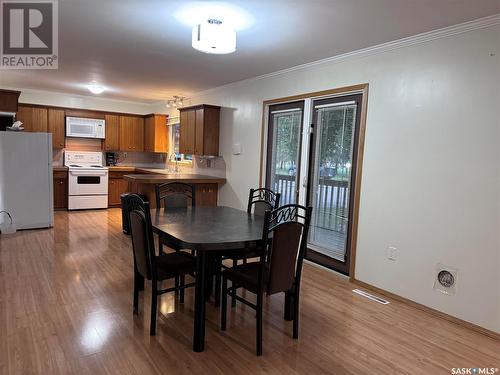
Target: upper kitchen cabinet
112, 134
34, 119
156, 133
131, 133
56, 126
199, 130
8, 100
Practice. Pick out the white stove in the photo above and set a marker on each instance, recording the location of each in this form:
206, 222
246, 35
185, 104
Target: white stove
87, 180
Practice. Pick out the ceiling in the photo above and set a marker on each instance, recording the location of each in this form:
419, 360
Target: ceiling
141, 50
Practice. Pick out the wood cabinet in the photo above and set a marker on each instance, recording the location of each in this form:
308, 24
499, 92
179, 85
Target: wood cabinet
34, 119
8, 100
112, 141
131, 133
206, 194
156, 133
199, 130
60, 190
56, 126
116, 186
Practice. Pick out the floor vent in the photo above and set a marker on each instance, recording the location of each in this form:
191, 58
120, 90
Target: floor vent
371, 296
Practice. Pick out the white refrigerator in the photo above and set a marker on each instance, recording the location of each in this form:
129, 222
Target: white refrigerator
26, 185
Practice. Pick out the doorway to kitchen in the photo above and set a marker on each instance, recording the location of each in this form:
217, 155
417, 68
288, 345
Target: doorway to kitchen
313, 156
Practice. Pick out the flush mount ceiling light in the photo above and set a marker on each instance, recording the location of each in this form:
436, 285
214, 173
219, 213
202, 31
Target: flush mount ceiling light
213, 37
177, 101
95, 88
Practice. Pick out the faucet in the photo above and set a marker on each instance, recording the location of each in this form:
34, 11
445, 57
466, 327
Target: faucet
176, 169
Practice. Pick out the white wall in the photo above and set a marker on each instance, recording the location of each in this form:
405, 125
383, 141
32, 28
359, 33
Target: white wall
431, 176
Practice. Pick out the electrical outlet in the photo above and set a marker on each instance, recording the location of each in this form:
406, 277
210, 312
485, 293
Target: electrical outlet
392, 253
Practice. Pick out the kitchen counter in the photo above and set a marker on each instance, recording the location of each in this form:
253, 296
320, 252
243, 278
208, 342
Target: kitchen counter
58, 168
173, 177
121, 168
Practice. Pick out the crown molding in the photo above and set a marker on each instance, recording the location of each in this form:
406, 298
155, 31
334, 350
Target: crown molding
480, 23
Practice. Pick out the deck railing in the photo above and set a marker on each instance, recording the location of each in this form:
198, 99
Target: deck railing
332, 201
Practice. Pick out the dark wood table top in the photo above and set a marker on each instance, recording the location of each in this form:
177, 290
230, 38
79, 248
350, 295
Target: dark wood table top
174, 177
208, 228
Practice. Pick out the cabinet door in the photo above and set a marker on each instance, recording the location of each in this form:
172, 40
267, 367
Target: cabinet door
187, 132
149, 134
211, 131
138, 134
116, 187
131, 133
60, 192
56, 126
112, 140
33, 118
199, 132
206, 194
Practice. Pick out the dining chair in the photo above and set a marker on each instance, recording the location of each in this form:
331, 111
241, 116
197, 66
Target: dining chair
259, 201
148, 265
279, 267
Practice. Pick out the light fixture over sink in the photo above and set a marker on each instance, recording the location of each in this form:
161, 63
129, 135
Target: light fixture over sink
213, 37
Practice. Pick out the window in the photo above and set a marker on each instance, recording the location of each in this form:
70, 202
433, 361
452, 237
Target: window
174, 138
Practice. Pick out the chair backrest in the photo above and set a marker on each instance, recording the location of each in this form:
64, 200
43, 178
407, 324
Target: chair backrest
284, 255
175, 194
262, 200
142, 235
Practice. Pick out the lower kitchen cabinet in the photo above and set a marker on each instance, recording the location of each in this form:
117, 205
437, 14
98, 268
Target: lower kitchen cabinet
60, 190
206, 194
116, 186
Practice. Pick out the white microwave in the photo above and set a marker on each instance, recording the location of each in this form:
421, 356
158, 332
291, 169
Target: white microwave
85, 127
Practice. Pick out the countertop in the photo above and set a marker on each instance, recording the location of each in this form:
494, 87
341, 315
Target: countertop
161, 178
59, 168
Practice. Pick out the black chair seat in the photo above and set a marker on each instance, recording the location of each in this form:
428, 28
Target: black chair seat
172, 264
246, 275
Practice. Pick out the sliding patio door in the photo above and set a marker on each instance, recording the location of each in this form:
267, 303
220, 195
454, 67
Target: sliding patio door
332, 163
283, 152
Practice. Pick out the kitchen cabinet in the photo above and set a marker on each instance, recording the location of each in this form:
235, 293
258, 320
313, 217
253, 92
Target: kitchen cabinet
56, 126
116, 186
156, 133
8, 100
131, 133
60, 190
34, 119
199, 130
112, 141
206, 194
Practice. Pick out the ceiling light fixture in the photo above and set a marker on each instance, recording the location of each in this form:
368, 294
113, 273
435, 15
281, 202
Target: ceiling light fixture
177, 101
212, 37
95, 88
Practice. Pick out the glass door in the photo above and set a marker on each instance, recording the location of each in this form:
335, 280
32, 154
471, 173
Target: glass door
283, 150
331, 177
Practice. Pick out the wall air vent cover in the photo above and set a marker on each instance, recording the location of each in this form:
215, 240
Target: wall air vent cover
445, 279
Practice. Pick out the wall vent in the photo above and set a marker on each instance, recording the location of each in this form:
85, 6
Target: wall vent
445, 279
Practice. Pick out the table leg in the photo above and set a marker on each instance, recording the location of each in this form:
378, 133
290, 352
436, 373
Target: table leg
199, 303
289, 301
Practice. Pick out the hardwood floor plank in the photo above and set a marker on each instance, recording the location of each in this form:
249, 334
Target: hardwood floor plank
66, 308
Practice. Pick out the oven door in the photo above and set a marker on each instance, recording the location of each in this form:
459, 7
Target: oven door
88, 182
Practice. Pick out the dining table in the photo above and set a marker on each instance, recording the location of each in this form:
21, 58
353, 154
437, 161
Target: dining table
211, 232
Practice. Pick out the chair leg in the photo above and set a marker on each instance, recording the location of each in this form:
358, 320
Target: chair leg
296, 314
136, 293
223, 310
218, 282
181, 292
176, 285
233, 299
154, 303
160, 246
259, 324
244, 260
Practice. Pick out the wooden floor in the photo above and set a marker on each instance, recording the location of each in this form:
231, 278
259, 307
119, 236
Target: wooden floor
66, 308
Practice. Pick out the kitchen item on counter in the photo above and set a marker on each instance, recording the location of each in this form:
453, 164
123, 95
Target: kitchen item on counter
111, 159
16, 127
26, 184
82, 127
87, 180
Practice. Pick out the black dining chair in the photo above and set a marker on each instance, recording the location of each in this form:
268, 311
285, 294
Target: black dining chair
148, 265
279, 267
259, 201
